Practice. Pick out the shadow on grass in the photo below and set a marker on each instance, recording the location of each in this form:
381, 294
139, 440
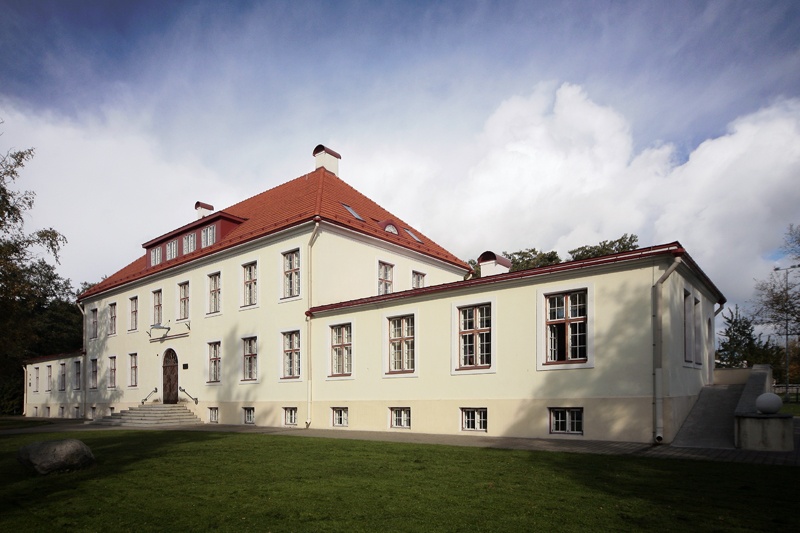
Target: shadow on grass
679, 495
116, 452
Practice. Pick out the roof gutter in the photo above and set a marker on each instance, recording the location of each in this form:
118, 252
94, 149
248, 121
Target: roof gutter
658, 349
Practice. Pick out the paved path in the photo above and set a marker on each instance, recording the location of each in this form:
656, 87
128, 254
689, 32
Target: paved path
633, 449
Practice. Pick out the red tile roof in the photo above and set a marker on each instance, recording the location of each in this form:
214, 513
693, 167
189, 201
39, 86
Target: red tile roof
317, 194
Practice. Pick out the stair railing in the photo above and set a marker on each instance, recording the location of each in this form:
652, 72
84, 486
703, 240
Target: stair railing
155, 390
187, 394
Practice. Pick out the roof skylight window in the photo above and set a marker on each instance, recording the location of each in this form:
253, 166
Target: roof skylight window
412, 235
353, 212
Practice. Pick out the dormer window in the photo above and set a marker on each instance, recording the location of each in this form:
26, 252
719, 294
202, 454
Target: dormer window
189, 243
390, 228
209, 236
155, 256
353, 212
172, 249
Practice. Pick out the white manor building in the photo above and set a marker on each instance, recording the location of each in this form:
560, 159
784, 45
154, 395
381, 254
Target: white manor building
309, 305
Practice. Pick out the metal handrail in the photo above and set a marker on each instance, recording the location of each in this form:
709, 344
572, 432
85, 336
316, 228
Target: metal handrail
155, 390
187, 394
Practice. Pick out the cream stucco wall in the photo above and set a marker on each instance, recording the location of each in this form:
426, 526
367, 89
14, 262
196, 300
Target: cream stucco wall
614, 386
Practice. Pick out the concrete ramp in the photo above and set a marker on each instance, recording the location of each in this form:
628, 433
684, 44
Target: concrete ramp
710, 423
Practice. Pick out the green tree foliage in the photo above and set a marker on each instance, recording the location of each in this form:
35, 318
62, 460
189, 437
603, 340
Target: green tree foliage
740, 347
777, 299
531, 258
37, 311
623, 244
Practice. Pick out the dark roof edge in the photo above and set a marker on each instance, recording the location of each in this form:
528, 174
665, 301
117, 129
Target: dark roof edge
671, 249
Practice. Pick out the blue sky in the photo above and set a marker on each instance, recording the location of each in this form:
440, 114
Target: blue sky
487, 125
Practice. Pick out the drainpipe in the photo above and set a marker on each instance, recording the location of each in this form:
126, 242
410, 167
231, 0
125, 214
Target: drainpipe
309, 317
83, 357
658, 352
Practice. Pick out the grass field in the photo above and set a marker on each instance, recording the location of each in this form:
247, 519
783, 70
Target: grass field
199, 481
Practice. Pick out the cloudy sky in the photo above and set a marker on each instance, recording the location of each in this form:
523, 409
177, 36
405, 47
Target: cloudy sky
486, 125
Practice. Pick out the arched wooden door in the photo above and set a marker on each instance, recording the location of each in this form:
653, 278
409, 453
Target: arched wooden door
170, 382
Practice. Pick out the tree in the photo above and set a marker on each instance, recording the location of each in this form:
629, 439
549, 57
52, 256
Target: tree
531, 258
777, 299
623, 244
740, 347
37, 315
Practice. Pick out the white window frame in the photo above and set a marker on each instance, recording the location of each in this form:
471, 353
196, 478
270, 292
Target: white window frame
542, 348
36, 378
456, 368
158, 306
112, 318
94, 327
214, 293
400, 417
133, 307
133, 365
184, 300
385, 277
214, 362
112, 372
189, 243
208, 235
249, 415
290, 416
77, 378
340, 417
570, 418
49, 383
249, 359
290, 262
213, 415
417, 279
155, 256
475, 419
62, 376
171, 249
250, 285
93, 371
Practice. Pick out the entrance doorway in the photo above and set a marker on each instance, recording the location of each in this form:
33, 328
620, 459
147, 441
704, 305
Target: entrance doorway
170, 380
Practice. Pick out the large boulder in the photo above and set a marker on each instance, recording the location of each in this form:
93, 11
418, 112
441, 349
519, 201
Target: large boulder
56, 456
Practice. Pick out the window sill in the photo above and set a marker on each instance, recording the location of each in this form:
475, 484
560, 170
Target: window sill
254, 380
213, 313
290, 378
476, 367
290, 298
341, 375
567, 362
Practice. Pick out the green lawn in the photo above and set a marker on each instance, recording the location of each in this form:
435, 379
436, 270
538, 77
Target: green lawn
198, 481
791, 408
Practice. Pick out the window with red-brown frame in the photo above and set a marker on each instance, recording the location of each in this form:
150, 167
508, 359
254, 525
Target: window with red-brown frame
566, 325
401, 344
250, 359
291, 354
341, 350
475, 336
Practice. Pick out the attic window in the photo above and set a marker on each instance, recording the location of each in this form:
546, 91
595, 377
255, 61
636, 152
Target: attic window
412, 235
353, 212
391, 229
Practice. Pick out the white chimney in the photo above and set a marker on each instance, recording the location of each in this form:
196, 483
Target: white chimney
325, 157
202, 209
492, 264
